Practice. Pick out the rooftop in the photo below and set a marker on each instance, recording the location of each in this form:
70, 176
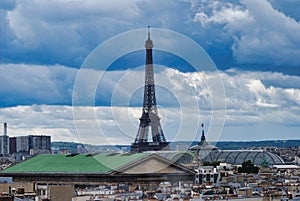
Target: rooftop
237, 157
74, 163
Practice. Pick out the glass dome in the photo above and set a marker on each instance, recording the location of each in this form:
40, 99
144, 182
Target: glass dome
237, 157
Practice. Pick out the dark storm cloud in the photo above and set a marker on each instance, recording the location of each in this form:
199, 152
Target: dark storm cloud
64, 32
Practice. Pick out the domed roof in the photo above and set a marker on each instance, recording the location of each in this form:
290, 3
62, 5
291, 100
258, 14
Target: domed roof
203, 145
237, 157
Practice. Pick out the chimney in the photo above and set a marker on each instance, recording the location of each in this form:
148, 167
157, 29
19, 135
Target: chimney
5, 129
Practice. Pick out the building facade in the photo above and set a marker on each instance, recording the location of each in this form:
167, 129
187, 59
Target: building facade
40, 142
30, 144
12, 145
206, 175
4, 145
22, 144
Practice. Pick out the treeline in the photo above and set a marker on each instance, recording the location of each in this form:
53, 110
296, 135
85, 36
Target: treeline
223, 145
268, 143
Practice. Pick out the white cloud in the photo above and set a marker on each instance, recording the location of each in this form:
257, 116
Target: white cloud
54, 85
223, 13
37, 20
110, 125
251, 88
34, 84
64, 32
260, 33
262, 99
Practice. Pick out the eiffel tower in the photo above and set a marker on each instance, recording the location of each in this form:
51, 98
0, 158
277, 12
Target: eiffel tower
149, 121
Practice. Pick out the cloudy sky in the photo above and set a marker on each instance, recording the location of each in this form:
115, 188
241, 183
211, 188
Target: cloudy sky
254, 44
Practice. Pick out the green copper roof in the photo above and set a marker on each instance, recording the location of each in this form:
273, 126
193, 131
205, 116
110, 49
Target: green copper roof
81, 163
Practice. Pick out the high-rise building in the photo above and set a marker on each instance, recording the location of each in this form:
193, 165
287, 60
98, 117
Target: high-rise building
149, 121
40, 142
4, 142
12, 145
25, 144
22, 144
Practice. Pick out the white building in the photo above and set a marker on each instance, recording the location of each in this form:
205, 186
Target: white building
206, 175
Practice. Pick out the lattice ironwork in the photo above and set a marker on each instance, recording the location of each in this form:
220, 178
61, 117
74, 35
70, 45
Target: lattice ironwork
149, 121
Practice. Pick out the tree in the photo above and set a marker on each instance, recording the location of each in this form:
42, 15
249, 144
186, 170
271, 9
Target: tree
248, 167
265, 163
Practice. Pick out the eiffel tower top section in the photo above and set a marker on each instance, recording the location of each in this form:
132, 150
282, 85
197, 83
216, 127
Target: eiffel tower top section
149, 43
149, 121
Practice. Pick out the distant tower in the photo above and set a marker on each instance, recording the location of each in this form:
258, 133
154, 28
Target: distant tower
202, 149
149, 121
4, 142
203, 139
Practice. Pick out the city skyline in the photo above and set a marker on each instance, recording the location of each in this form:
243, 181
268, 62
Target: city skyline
254, 44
